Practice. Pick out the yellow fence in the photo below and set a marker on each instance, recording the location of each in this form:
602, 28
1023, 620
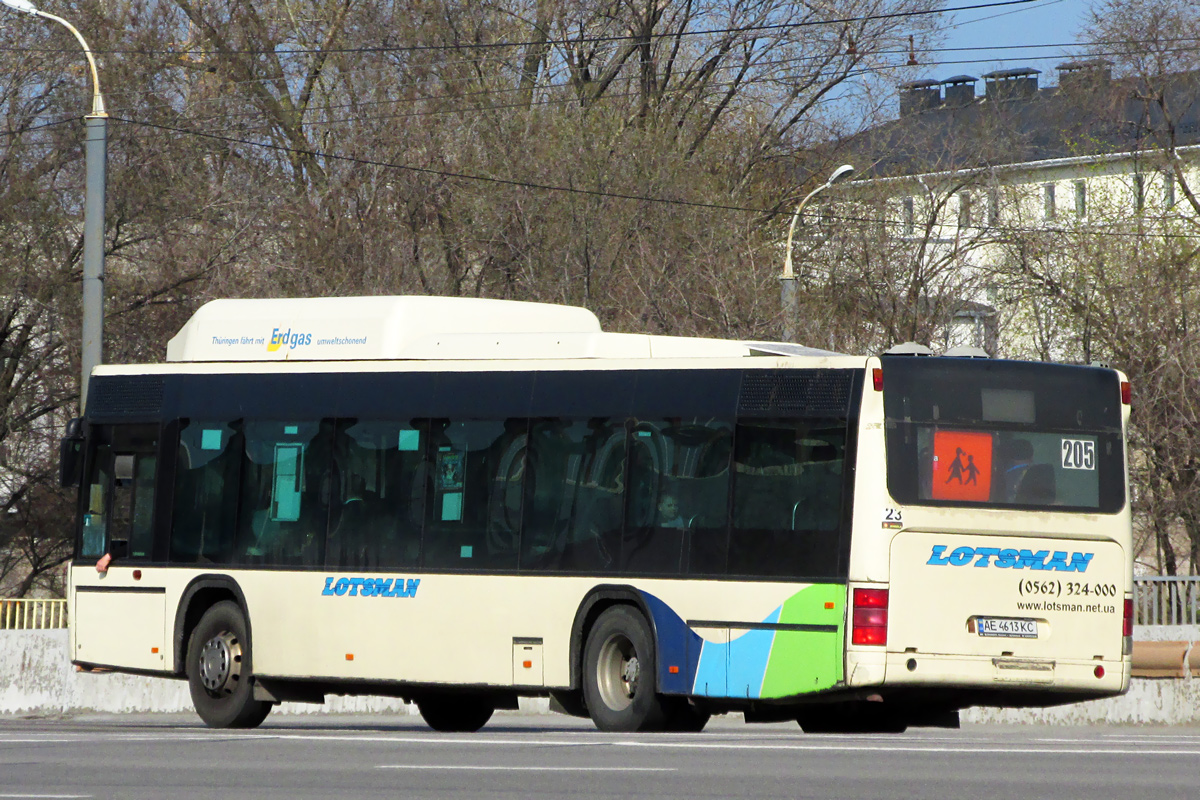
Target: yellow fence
23, 614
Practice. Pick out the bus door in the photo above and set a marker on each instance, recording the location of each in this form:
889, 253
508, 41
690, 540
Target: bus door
118, 616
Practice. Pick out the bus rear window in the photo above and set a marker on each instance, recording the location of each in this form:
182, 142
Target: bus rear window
1008, 434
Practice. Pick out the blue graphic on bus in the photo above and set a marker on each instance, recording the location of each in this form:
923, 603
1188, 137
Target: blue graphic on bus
371, 587
1009, 558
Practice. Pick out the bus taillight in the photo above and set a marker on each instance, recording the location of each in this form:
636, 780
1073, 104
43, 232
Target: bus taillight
1127, 626
1126, 393
870, 616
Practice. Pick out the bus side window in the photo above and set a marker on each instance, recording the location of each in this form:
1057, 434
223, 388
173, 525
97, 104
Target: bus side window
473, 518
787, 499
376, 518
94, 540
285, 492
573, 495
133, 502
119, 493
206, 479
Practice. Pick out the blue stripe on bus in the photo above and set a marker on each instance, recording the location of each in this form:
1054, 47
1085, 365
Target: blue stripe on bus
677, 646
736, 668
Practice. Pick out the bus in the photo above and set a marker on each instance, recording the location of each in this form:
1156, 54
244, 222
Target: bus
462, 502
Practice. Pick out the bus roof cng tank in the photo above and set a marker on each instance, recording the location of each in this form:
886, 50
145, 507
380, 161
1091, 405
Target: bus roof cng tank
418, 328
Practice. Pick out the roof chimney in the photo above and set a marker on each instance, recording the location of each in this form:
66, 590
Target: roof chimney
1077, 74
960, 90
1012, 84
918, 96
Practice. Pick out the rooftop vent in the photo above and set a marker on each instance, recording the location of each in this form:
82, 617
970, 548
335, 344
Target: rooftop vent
908, 349
960, 90
1074, 74
918, 96
966, 351
1012, 84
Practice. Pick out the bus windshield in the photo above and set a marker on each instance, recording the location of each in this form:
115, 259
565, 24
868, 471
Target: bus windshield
1003, 434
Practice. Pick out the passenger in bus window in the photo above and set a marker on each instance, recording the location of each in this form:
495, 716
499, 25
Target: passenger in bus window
668, 512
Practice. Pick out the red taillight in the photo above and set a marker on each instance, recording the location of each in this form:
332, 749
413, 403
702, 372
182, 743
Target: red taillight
870, 598
1126, 393
870, 617
877, 379
1127, 627
1098, 672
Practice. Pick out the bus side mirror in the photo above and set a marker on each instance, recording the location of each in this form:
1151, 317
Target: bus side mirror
118, 548
70, 455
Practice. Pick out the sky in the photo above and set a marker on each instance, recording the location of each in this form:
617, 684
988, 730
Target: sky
1002, 30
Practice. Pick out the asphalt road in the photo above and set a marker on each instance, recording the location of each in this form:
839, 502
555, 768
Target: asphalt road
524, 756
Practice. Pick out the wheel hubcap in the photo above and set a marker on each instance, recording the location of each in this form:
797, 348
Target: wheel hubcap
221, 663
617, 672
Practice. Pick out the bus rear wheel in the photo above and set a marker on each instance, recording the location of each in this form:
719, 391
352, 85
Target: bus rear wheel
455, 713
218, 670
619, 673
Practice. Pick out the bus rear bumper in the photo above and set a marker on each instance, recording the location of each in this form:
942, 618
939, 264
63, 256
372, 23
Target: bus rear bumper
1090, 676
992, 675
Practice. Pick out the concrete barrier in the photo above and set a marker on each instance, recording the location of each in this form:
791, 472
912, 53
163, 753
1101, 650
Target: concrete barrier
37, 679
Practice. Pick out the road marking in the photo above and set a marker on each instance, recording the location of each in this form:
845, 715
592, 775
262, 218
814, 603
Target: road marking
850, 747
693, 743
489, 768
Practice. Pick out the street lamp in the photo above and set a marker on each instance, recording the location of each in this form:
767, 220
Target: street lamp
95, 158
788, 296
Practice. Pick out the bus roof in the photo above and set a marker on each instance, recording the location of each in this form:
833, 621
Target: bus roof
427, 328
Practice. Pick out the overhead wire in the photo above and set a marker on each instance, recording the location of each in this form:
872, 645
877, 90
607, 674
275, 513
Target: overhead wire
775, 63
579, 40
575, 190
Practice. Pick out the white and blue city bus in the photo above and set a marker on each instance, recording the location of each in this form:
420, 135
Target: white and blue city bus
462, 502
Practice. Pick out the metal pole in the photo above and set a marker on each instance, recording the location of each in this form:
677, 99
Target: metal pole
96, 156
788, 297
96, 162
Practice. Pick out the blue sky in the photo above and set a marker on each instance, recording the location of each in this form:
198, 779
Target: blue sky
1046, 22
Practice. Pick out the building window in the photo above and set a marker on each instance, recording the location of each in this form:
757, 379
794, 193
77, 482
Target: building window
908, 216
1139, 192
993, 206
964, 209
1081, 199
1168, 189
1048, 205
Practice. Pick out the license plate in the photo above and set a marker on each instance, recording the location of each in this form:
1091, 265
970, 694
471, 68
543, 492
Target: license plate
1001, 626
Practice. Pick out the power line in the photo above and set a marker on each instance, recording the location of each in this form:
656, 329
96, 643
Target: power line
581, 40
32, 128
591, 192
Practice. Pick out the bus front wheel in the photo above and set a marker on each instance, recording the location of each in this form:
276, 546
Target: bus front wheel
455, 713
218, 670
619, 673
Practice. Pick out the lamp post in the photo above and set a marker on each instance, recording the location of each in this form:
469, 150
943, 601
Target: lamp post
95, 158
787, 280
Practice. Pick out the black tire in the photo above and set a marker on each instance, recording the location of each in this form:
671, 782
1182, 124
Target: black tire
683, 717
455, 713
219, 670
619, 673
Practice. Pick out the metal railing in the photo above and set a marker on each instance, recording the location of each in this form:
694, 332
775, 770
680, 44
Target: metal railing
25, 614
1156, 601
1166, 600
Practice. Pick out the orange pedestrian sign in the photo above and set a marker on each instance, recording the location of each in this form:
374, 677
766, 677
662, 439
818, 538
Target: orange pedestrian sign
962, 465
